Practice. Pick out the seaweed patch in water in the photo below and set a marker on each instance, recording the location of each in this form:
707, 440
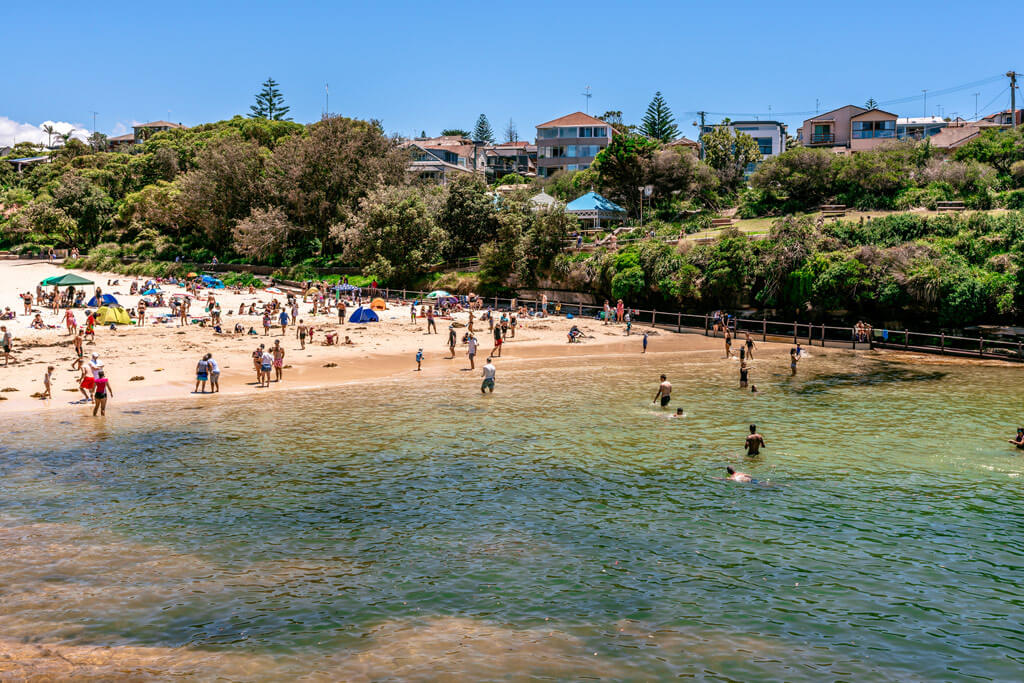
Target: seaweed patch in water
886, 375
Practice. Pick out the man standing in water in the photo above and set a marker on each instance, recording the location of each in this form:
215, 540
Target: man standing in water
794, 356
755, 442
664, 392
488, 375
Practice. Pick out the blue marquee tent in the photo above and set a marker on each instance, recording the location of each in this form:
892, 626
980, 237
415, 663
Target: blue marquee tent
108, 300
363, 315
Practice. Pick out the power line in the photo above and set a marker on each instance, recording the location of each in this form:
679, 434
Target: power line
900, 100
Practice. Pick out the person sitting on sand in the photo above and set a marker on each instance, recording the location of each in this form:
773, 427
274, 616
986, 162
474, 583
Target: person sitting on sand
739, 476
37, 323
574, 334
348, 342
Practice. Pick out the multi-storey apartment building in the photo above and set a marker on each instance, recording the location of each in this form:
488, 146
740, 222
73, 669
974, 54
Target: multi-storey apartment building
570, 143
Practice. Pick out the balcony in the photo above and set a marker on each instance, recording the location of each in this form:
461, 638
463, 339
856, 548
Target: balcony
822, 138
865, 134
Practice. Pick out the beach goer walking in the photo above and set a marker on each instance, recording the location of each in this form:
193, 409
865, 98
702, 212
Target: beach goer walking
620, 309
102, 391
471, 351
645, 343
278, 360
95, 366
452, 339
412, 312
85, 383
496, 351
214, 373
755, 442
488, 375
5, 344
79, 350
26, 299
341, 312
46, 382
69, 321
300, 332
90, 326
664, 392
142, 313
512, 323
283, 319
431, 325
202, 375
750, 346
266, 323
419, 360
728, 343
629, 324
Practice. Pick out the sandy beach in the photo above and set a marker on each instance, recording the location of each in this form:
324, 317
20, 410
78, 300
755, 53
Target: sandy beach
157, 361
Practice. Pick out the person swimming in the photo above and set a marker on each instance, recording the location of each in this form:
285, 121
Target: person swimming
739, 476
1019, 440
678, 413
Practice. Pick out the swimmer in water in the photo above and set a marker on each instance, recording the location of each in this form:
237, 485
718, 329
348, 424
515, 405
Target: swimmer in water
678, 413
743, 372
755, 442
1019, 441
739, 476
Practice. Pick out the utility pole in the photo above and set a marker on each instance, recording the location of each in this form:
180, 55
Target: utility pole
1012, 75
587, 94
700, 133
976, 105
94, 146
924, 111
817, 105
327, 101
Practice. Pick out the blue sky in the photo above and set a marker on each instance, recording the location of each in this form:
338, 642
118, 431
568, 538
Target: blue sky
429, 65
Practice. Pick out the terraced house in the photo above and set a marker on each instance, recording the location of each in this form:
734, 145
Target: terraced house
570, 143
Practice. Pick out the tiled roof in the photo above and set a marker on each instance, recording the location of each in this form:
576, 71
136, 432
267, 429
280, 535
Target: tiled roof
158, 124
684, 142
574, 119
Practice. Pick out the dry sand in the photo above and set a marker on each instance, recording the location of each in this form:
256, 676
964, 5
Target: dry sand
164, 356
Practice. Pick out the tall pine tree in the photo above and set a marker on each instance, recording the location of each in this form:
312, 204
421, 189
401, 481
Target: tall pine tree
658, 122
483, 129
270, 103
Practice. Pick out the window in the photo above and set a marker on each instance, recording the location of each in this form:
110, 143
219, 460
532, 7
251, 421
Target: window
600, 131
586, 132
873, 129
572, 167
570, 151
765, 144
569, 132
587, 150
547, 133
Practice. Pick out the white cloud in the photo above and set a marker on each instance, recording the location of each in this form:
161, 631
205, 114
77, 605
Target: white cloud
12, 132
120, 129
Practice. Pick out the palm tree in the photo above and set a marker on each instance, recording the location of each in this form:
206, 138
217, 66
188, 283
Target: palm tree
67, 136
50, 132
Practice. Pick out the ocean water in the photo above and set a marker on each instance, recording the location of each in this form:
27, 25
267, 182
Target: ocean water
563, 528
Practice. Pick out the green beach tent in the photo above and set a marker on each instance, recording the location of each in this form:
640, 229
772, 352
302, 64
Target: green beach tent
65, 280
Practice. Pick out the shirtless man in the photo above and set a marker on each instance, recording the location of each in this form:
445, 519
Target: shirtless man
664, 392
739, 476
794, 356
755, 442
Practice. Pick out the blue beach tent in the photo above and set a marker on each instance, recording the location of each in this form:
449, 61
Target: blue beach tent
108, 300
212, 282
363, 315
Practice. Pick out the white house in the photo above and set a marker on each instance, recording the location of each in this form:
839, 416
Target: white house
770, 136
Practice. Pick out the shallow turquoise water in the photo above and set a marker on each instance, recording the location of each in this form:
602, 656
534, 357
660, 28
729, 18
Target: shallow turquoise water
562, 528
